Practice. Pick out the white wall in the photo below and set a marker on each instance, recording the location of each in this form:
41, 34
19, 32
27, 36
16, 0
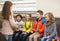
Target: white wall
21, 5
45, 5
49, 6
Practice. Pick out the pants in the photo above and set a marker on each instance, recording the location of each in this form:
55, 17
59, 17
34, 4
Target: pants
34, 36
23, 37
16, 34
8, 37
44, 39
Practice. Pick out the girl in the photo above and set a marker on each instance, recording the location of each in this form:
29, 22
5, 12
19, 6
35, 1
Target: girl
8, 21
26, 28
50, 29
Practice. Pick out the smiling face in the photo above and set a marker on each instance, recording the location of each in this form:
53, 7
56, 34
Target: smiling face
47, 17
18, 18
38, 15
27, 17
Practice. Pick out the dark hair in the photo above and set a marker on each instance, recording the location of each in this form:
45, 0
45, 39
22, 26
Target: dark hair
19, 16
6, 12
40, 11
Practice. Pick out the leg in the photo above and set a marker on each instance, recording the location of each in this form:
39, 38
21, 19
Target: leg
10, 38
20, 32
43, 39
21, 37
50, 39
6, 36
13, 36
25, 37
36, 36
31, 36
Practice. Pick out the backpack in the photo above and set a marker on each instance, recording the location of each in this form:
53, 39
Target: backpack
43, 20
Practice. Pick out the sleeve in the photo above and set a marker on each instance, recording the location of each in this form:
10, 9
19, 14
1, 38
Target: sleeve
34, 26
42, 26
41, 30
29, 28
24, 28
12, 22
45, 31
22, 24
54, 30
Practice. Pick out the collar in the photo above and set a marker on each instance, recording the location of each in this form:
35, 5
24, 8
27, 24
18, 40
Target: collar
39, 19
18, 21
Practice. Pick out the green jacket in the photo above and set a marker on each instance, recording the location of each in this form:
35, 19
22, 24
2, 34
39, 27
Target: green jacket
27, 26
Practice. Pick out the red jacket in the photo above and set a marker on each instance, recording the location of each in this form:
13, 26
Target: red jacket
40, 27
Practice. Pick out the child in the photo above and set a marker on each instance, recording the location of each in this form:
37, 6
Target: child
38, 26
50, 29
26, 28
19, 22
18, 30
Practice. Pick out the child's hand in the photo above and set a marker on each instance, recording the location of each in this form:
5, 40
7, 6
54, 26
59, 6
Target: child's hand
47, 37
24, 32
17, 29
31, 31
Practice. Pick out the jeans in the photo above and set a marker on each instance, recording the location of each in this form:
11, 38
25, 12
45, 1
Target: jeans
8, 37
16, 34
23, 37
44, 39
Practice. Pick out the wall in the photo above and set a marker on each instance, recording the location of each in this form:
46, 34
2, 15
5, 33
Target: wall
49, 6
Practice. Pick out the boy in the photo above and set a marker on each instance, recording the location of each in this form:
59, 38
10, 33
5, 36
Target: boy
18, 31
38, 26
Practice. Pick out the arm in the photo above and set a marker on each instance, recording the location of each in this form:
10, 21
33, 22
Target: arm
45, 32
29, 28
41, 30
12, 22
54, 30
34, 26
24, 28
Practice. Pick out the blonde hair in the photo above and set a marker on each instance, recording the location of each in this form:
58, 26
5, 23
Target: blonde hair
51, 17
29, 16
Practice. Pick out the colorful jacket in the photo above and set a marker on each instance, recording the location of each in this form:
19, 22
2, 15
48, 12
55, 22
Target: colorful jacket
27, 26
41, 24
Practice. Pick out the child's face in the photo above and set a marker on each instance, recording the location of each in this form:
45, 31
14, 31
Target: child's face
47, 17
27, 17
18, 18
38, 15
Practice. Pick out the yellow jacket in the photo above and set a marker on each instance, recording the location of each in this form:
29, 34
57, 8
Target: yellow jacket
27, 26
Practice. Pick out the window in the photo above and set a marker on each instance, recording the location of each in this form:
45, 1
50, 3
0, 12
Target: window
22, 5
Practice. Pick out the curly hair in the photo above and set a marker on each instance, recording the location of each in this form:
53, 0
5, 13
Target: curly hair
51, 17
19, 16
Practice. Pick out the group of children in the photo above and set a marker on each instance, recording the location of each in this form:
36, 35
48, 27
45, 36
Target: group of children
44, 27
